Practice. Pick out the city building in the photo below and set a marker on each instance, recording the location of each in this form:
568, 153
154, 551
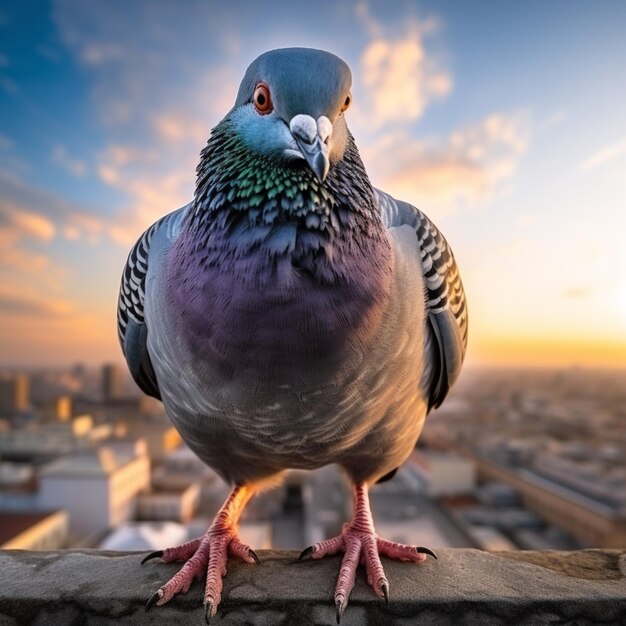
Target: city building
33, 530
444, 473
14, 394
46, 441
112, 382
98, 489
593, 523
490, 538
179, 505
18, 488
557, 438
162, 438
57, 408
512, 460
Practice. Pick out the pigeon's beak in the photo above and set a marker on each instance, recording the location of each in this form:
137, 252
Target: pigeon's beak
312, 138
316, 155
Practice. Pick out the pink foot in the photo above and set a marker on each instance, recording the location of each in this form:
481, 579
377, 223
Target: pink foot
209, 554
360, 544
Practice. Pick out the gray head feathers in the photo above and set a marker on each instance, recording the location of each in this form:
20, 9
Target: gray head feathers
301, 80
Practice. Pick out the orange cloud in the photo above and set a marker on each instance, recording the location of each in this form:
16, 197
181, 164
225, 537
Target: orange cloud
399, 77
174, 127
445, 178
23, 261
458, 171
29, 214
18, 226
21, 301
151, 194
16, 221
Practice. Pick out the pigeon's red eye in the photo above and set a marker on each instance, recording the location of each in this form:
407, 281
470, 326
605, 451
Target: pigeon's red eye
262, 99
347, 102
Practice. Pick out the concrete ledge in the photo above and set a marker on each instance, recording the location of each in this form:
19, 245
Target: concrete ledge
462, 587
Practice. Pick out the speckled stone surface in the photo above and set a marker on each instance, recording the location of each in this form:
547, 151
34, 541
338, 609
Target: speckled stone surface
462, 587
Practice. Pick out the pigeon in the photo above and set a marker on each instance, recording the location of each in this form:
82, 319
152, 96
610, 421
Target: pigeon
292, 316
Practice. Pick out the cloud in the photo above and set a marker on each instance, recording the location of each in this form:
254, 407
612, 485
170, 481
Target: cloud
33, 305
157, 94
153, 182
74, 166
454, 172
17, 260
29, 213
99, 53
119, 163
604, 156
175, 127
49, 308
86, 227
16, 219
371, 25
136, 74
157, 127
399, 76
19, 227
38, 320
30, 280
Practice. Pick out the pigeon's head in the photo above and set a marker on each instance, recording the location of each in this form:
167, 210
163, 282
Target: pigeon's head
290, 107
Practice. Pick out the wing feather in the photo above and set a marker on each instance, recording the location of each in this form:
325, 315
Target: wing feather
446, 307
131, 327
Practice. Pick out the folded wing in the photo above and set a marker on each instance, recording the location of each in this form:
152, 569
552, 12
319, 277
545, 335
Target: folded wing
131, 323
446, 308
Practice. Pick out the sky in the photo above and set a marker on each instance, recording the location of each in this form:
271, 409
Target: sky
504, 121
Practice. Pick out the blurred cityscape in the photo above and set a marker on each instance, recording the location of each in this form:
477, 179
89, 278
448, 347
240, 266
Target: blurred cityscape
528, 459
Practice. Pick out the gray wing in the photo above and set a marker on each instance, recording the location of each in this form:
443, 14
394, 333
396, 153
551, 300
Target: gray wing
446, 308
131, 326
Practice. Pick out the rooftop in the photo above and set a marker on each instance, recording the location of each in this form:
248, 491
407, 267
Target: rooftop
94, 464
15, 523
463, 586
563, 491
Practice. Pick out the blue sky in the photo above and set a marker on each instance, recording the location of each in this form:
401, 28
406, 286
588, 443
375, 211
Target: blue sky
504, 121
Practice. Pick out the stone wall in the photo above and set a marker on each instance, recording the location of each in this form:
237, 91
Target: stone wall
462, 587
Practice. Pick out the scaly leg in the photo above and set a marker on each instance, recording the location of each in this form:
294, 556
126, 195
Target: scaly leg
207, 553
360, 543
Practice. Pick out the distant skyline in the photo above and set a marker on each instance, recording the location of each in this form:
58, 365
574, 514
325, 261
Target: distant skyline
504, 121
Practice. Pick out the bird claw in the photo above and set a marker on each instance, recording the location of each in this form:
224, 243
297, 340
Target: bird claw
305, 553
422, 550
154, 598
152, 555
254, 556
385, 589
340, 605
209, 611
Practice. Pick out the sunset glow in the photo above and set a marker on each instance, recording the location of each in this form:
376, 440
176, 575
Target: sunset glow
504, 122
